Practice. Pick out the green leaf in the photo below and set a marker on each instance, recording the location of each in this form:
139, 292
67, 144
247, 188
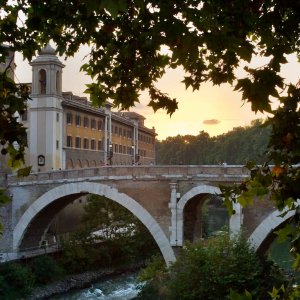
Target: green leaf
285, 233
237, 296
3, 197
277, 293
23, 172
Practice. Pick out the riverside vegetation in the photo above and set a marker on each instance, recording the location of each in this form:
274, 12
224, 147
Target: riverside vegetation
214, 269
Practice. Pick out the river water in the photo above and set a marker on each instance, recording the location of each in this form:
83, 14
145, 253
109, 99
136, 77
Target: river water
123, 287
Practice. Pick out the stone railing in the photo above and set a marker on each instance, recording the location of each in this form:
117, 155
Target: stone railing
184, 172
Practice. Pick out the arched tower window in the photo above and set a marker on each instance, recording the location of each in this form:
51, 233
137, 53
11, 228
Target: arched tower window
58, 83
42, 81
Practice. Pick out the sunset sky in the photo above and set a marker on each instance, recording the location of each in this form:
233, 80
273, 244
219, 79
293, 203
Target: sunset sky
214, 109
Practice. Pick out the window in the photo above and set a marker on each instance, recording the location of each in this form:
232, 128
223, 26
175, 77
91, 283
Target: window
58, 83
42, 82
69, 141
99, 145
120, 131
78, 142
120, 149
93, 145
93, 124
85, 143
86, 122
99, 124
69, 118
57, 144
57, 117
78, 120
124, 132
116, 130
124, 149
116, 148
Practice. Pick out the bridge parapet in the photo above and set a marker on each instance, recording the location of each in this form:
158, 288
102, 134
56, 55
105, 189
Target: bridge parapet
182, 172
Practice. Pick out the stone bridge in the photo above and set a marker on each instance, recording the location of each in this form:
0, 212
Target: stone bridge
164, 198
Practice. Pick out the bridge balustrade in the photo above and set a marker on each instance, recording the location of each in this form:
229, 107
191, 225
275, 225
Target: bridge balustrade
139, 172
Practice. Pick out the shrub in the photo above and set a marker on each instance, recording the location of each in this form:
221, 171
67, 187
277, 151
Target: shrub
152, 276
208, 270
46, 269
211, 269
16, 281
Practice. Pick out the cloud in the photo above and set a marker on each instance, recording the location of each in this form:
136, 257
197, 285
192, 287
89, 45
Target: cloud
211, 122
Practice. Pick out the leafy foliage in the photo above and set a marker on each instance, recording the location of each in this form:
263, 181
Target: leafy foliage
215, 269
210, 40
16, 281
46, 269
281, 181
13, 101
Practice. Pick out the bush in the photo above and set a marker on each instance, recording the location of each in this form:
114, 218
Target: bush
152, 276
16, 281
46, 269
210, 269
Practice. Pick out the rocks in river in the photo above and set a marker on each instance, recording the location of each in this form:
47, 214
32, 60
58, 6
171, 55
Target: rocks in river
78, 281
71, 282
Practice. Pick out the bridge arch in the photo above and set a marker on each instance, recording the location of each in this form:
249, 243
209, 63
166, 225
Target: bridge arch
197, 190
259, 236
99, 189
235, 221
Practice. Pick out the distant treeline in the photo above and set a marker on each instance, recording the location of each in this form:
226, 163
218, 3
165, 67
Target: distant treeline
234, 147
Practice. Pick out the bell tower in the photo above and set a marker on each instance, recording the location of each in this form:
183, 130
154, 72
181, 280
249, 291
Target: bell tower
45, 136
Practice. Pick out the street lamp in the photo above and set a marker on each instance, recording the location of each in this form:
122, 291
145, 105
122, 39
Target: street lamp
110, 153
135, 156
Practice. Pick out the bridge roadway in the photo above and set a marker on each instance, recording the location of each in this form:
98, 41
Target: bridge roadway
164, 198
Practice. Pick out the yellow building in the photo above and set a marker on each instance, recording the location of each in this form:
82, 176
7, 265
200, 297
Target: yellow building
65, 131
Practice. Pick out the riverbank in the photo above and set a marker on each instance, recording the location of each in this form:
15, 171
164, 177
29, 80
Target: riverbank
76, 281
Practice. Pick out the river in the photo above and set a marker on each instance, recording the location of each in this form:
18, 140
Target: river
123, 287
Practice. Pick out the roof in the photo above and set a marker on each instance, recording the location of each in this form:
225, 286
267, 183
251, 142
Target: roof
132, 115
48, 50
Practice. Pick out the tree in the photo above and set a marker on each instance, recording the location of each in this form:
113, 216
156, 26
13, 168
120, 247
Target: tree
237, 146
13, 100
210, 40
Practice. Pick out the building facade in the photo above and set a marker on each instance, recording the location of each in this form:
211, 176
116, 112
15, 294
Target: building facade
65, 131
